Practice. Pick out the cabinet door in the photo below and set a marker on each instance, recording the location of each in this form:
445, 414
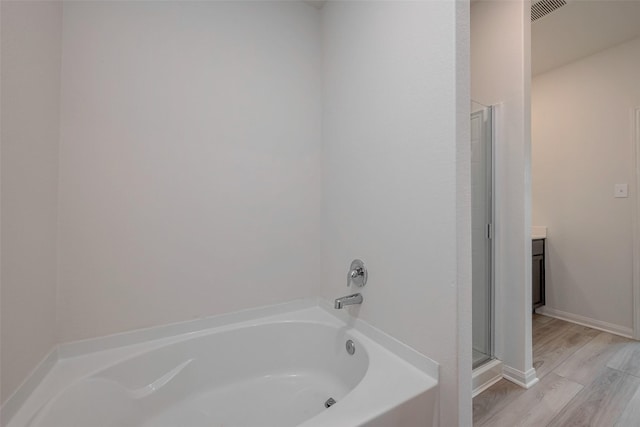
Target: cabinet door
537, 281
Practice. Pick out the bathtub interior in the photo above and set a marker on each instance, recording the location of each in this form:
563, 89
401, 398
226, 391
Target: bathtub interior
277, 374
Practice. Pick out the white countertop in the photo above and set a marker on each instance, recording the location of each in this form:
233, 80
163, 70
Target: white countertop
538, 232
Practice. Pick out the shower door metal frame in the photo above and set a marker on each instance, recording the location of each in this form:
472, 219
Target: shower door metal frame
488, 114
636, 227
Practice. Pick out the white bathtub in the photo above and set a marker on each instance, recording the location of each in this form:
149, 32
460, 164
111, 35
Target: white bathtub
276, 370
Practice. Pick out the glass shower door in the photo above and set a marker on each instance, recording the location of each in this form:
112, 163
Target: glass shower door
481, 229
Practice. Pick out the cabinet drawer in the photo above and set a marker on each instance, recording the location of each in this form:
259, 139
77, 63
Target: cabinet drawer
538, 247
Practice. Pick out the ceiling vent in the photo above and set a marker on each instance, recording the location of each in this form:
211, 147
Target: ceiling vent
545, 7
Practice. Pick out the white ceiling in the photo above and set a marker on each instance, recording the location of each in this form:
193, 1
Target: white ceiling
581, 28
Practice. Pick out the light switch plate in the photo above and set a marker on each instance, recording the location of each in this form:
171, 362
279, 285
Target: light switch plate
621, 190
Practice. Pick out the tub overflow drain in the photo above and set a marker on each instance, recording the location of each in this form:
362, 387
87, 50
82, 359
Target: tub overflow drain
330, 401
351, 347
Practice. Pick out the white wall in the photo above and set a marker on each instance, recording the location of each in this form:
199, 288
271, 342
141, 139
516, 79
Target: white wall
501, 74
189, 161
390, 129
30, 83
582, 146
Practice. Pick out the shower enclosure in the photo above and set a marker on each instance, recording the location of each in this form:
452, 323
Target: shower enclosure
482, 231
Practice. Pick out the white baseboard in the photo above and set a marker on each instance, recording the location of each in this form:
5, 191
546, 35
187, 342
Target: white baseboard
586, 321
485, 376
523, 379
19, 396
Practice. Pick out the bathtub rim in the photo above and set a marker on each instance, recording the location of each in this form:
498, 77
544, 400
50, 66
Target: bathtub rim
62, 351
163, 335
234, 319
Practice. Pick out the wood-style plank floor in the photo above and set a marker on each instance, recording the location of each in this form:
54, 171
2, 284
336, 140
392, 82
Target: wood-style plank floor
587, 378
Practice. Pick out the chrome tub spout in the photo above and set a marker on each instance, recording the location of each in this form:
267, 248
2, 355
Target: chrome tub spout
348, 300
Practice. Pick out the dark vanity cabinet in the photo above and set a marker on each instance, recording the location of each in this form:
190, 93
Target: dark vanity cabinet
537, 270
